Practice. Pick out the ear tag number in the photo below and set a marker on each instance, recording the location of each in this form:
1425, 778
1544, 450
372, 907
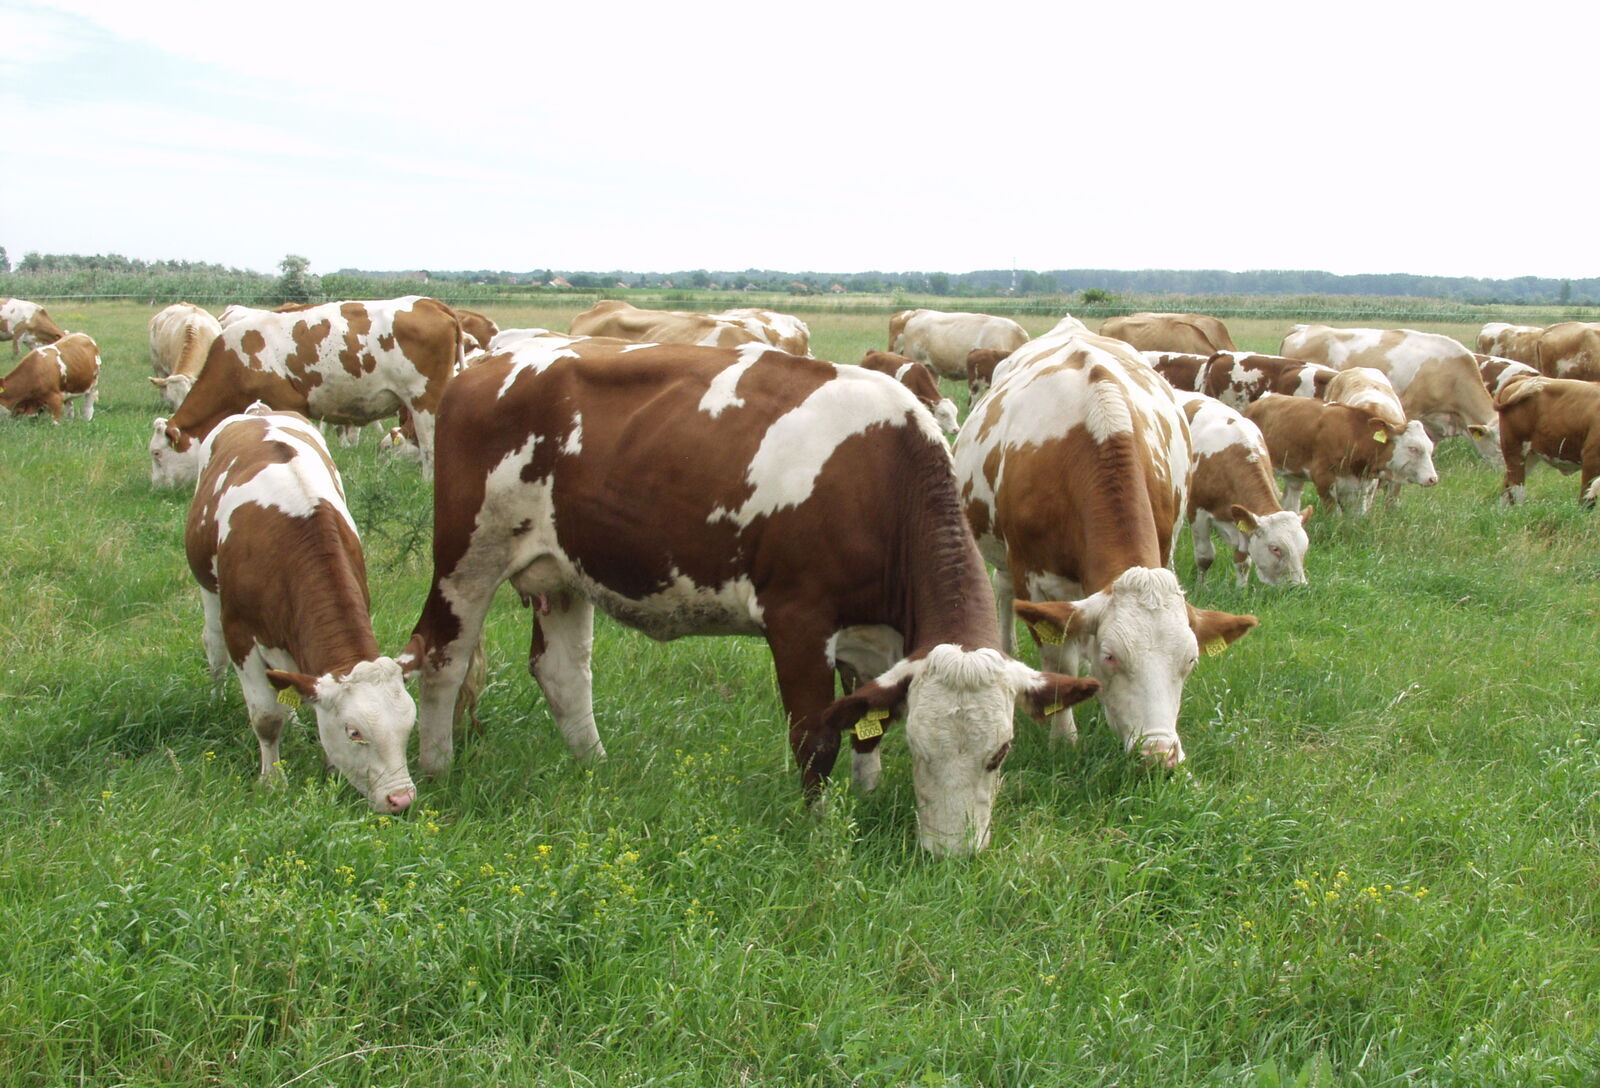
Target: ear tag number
1381, 437
289, 697
1216, 646
871, 724
1049, 632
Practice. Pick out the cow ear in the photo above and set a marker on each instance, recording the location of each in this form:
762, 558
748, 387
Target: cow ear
1305, 515
1216, 631
1051, 621
1053, 691
159, 383
869, 707
1477, 430
293, 687
1247, 522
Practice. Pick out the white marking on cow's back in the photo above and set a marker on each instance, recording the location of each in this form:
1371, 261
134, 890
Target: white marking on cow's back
1216, 427
535, 355
720, 394
574, 442
295, 487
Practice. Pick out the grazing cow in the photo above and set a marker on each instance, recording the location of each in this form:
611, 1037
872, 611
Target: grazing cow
917, 377
1570, 349
180, 336
26, 323
1437, 379
943, 340
689, 491
345, 362
1519, 343
1233, 492
624, 321
1184, 372
1412, 460
1497, 372
284, 586
981, 364
1074, 472
477, 329
1195, 334
53, 375
783, 331
1336, 447
1237, 378
1556, 420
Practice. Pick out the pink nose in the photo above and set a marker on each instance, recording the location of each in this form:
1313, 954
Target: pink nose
400, 799
1163, 754
1430, 481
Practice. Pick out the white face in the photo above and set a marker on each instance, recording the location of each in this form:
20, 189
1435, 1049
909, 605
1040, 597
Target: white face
959, 728
1278, 549
365, 722
168, 467
175, 389
944, 413
1488, 444
1412, 462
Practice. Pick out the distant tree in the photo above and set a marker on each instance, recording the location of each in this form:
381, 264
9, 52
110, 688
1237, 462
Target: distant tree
700, 278
5, 262
939, 283
31, 262
294, 285
1093, 295
1566, 287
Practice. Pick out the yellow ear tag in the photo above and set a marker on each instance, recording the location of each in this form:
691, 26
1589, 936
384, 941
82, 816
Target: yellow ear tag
1216, 646
1053, 708
1381, 437
871, 724
289, 697
1049, 631
1245, 527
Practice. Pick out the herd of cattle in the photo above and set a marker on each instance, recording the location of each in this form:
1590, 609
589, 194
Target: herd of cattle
703, 474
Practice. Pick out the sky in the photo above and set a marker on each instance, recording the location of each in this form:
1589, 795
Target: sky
831, 136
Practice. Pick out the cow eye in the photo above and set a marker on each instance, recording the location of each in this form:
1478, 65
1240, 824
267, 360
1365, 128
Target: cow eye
354, 734
1108, 659
1277, 551
998, 758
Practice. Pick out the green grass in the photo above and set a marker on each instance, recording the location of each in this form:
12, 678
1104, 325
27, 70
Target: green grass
1378, 868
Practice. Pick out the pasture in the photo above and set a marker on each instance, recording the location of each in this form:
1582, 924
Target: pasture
1378, 867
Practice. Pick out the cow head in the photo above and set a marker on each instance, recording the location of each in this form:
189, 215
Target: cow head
1412, 459
944, 414
364, 719
1276, 543
174, 387
1142, 640
174, 457
1486, 437
958, 706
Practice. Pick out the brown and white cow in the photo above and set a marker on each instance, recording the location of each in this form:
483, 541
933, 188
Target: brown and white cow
1556, 420
981, 364
1412, 460
1570, 349
1519, 343
624, 321
344, 362
687, 491
943, 340
180, 336
1074, 474
1436, 377
1195, 334
1335, 447
1239, 378
477, 329
27, 324
1232, 491
1497, 373
1183, 371
284, 587
783, 331
919, 378
52, 376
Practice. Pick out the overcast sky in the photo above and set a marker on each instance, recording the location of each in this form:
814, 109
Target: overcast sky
838, 136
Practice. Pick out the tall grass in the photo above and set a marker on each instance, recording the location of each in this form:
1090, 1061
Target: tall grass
1377, 869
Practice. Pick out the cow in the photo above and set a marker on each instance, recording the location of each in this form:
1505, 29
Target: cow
783, 331
624, 321
1556, 420
53, 376
1074, 474
917, 377
1335, 447
476, 329
27, 324
1183, 371
1237, 378
1519, 343
689, 490
283, 585
1195, 334
1570, 349
1412, 460
344, 362
981, 364
1436, 377
944, 340
1232, 491
180, 336
1497, 372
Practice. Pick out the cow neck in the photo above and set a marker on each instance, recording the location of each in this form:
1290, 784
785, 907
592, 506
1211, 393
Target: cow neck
329, 633
1116, 517
944, 588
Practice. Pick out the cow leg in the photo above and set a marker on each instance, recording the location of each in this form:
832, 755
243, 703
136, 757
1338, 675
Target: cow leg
1516, 472
805, 683
1004, 593
212, 638
267, 715
1205, 550
1589, 482
445, 667
1062, 659
1239, 543
89, 398
1292, 487
54, 403
422, 422
563, 647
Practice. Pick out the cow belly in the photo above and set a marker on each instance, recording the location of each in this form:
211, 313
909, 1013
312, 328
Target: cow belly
352, 403
680, 608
